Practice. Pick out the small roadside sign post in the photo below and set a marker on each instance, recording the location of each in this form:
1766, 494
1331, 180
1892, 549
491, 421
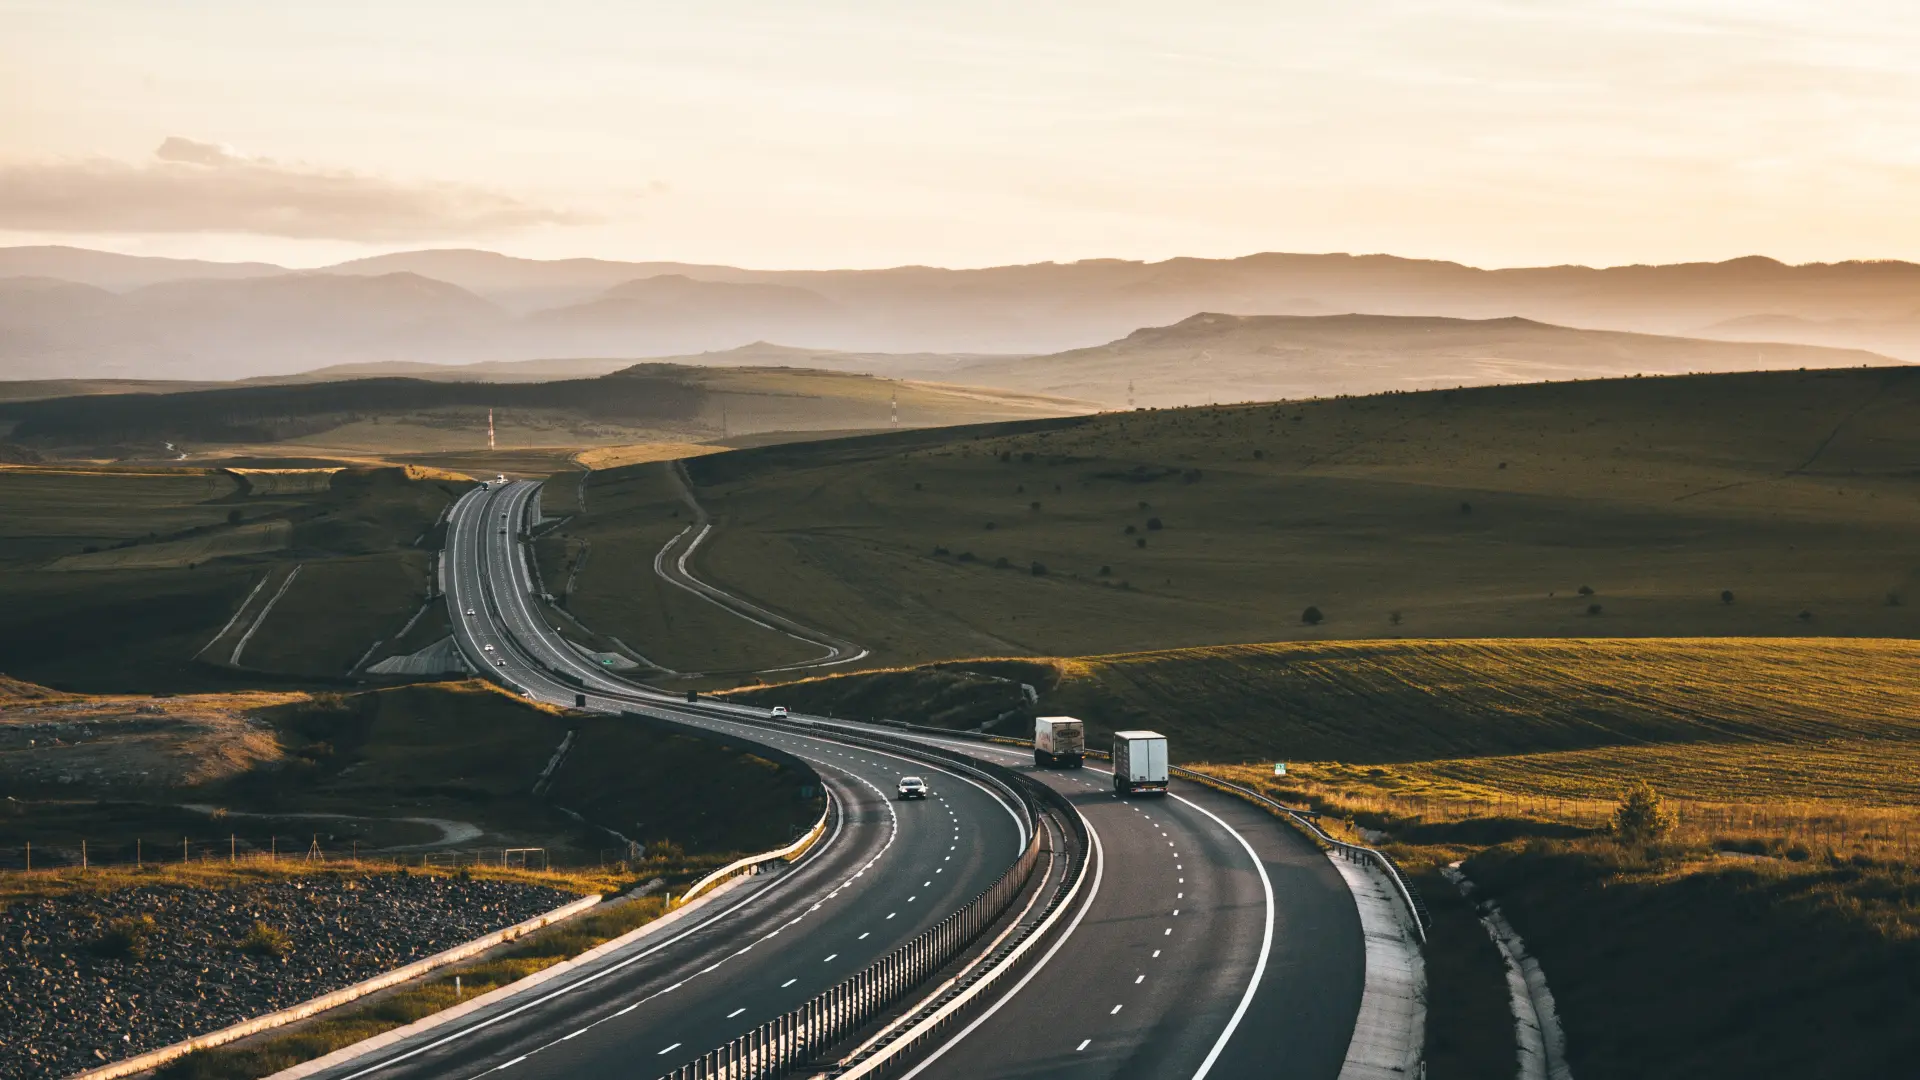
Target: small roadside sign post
1279, 768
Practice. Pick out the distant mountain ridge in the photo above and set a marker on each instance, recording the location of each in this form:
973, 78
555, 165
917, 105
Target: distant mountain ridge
137, 317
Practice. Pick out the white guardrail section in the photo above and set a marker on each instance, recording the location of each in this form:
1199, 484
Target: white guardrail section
750, 863
1357, 852
798, 1042
155, 1058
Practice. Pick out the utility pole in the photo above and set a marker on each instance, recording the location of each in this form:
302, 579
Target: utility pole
893, 406
1129, 393
489, 429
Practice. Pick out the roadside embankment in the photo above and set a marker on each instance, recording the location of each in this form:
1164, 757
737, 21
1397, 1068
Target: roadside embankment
91, 977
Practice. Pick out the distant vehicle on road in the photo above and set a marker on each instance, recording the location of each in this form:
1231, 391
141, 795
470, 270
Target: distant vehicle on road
1059, 740
503, 531
912, 787
779, 710
499, 663
486, 648
469, 611
1139, 762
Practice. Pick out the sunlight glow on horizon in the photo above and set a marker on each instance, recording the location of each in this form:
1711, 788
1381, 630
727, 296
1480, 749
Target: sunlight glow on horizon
1491, 132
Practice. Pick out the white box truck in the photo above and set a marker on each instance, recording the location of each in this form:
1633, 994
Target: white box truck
1139, 761
1059, 740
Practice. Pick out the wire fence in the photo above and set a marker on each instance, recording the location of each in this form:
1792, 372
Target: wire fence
67, 856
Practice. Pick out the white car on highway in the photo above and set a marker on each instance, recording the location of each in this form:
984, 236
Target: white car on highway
912, 787
469, 611
779, 711
486, 648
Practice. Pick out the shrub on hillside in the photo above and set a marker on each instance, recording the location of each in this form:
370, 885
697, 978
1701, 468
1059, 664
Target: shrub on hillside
1311, 616
264, 940
1726, 596
125, 938
1642, 817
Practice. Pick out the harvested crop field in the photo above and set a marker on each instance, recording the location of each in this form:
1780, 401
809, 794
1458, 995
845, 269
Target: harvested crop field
87, 978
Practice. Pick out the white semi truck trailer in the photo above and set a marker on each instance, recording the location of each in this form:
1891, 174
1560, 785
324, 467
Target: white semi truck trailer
1139, 762
1059, 740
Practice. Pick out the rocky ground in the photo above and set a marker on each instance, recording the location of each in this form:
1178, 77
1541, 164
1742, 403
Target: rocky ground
86, 979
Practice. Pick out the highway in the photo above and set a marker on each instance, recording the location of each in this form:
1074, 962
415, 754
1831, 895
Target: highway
1213, 942
885, 871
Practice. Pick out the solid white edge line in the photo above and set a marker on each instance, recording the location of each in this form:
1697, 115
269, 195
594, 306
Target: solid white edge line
1266, 941
1099, 871
475, 1028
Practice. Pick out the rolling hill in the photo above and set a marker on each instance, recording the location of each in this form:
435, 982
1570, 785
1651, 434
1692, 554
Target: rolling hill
185, 319
1214, 358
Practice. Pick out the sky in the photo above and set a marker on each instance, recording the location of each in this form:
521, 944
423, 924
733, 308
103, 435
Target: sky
861, 133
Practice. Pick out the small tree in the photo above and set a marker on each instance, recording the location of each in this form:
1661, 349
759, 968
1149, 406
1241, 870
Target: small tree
1153, 524
1586, 590
1593, 609
1311, 616
1394, 618
1726, 596
1642, 817
1141, 542
1039, 569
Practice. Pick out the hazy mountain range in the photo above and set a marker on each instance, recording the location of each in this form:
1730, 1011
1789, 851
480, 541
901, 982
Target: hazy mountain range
67, 312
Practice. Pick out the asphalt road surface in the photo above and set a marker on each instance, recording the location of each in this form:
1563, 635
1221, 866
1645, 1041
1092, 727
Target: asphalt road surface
1215, 941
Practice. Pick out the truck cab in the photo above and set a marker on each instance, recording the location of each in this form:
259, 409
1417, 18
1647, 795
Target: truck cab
1139, 762
1059, 741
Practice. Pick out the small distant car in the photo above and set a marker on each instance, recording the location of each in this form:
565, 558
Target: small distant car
912, 787
779, 710
499, 663
503, 532
486, 648
469, 611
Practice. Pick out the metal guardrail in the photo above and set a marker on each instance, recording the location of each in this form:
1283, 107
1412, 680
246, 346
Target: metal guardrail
796, 1039
1416, 905
748, 864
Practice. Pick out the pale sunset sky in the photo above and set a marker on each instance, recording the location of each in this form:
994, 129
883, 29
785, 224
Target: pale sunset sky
801, 133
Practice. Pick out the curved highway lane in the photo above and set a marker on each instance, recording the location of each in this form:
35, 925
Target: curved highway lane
1217, 941
886, 871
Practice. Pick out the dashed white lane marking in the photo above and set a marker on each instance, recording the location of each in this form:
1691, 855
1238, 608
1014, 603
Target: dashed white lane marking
788, 983
1082, 1046
1169, 932
891, 914
1116, 1010
656, 1053
1138, 979
830, 958
864, 936
514, 1062
735, 1013
576, 1034
1156, 954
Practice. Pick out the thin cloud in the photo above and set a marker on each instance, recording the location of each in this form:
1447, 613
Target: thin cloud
192, 186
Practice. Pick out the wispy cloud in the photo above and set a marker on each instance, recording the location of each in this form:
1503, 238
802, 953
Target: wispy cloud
192, 186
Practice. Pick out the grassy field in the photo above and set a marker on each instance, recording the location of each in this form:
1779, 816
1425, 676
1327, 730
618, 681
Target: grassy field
1779, 915
346, 771
1621, 508
150, 564
631, 513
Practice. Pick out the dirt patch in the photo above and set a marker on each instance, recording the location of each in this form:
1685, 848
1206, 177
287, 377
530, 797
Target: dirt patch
65, 741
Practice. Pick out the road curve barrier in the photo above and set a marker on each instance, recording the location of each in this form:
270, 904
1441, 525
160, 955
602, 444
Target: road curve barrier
752, 863
800, 1039
1409, 895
